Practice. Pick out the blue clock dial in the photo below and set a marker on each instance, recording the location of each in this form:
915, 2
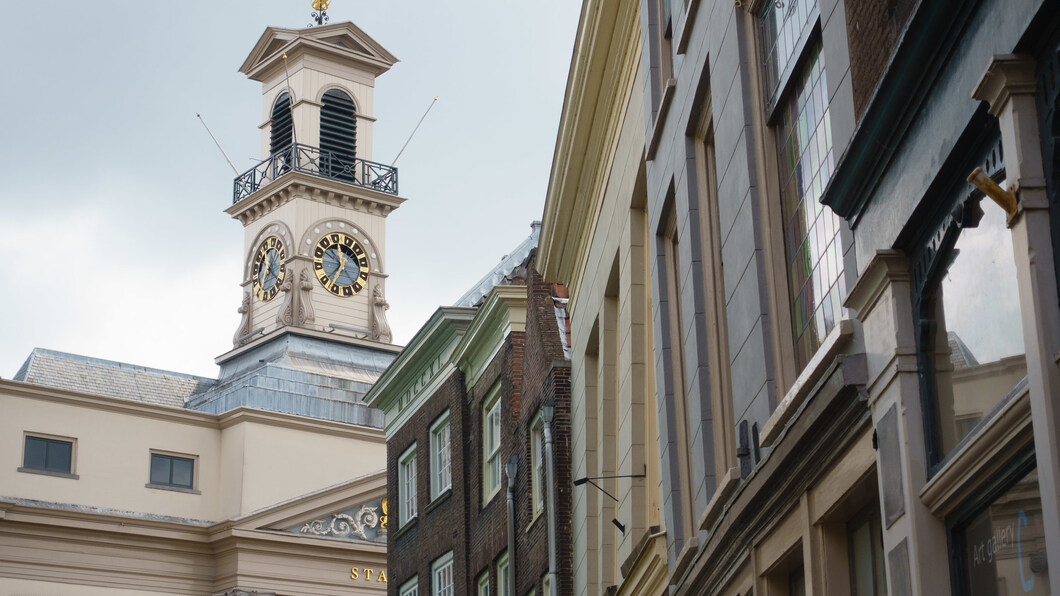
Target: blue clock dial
268, 268
341, 264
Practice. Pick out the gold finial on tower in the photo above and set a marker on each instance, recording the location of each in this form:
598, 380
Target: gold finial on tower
320, 11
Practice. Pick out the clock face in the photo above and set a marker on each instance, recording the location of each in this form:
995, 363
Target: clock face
268, 269
341, 264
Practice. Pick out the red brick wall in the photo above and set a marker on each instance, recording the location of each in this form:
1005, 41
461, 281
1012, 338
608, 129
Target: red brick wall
873, 27
530, 369
438, 528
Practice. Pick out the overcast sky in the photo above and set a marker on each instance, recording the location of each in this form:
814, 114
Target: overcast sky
112, 229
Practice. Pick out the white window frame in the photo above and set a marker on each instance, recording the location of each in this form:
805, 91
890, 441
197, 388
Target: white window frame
546, 585
484, 583
491, 444
407, 509
441, 456
537, 466
441, 570
502, 583
410, 588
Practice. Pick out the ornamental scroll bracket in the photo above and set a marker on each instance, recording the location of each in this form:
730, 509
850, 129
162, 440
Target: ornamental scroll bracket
365, 522
297, 307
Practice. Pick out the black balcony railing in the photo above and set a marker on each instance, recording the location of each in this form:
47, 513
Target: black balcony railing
298, 157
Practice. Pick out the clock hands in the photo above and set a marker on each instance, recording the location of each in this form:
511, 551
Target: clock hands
342, 264
265, 268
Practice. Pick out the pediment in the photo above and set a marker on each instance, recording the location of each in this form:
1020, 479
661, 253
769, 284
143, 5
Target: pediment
344, 42
355, 510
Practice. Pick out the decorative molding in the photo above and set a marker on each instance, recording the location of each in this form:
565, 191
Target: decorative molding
801, 390
669, 90
503, 311
886, 267
297, 307
981, 456
380, 328
243, 331
300, 185
366, 522
602, 78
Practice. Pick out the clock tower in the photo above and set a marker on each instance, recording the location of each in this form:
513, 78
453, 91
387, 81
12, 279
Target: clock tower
313, 311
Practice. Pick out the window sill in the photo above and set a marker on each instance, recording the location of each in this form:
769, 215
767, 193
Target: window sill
405, 527
175, 489
47, 473
669, 88
982, 455
489, 498
533, 521
800, 389
442, 496
686, 27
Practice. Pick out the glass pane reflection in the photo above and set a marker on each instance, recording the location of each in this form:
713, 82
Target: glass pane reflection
978, 338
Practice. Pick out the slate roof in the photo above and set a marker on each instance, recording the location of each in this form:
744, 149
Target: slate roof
960, 355
109, 378
497, 276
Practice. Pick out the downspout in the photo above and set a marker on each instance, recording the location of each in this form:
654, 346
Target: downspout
512, 467
548, 412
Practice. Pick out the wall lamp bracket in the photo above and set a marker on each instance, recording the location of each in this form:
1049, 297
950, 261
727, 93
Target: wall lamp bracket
589, 480
1006, 199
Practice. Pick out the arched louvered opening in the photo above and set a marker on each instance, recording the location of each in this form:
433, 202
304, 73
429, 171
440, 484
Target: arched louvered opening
338, 135
282, 125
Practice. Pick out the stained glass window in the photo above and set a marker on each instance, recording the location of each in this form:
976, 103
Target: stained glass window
811, 230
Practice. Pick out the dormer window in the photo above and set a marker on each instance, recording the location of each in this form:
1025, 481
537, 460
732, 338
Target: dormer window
338, 135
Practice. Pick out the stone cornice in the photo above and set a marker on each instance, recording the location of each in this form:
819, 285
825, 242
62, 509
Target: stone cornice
182, 416
604, 64
504, 311
433, 343
314, 333
376, 59
885, 267
982, 455
294, 185
313, 505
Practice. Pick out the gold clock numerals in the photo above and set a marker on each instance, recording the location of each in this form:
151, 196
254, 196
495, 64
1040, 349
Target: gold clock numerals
269, 268
341, 264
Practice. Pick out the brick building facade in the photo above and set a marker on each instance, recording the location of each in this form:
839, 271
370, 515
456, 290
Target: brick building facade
487, 370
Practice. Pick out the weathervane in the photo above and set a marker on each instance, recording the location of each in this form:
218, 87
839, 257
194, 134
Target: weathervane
320, 11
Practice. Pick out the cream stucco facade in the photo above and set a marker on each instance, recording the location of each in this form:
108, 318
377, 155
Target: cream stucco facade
260, 477
595, 240
271, 479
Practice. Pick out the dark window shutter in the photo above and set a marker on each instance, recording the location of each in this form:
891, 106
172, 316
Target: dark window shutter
282, 125
338, 135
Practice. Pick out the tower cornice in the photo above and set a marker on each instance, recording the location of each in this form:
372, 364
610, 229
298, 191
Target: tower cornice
342, 42
314, 188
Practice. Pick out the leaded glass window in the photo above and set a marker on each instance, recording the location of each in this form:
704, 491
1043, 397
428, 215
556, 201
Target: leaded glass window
811, 230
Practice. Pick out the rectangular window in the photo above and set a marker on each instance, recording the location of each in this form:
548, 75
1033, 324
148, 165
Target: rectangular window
811, 230
172, 471
442, 575
491, 444
865, 552
537, 462
407, 486
797, 583
1002, 547
484, 583
410, 588
502, 575
546, 585
673, 335
52, 456
785, 27
441, 474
